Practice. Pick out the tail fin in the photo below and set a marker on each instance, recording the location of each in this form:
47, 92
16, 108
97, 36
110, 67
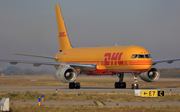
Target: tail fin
62, 34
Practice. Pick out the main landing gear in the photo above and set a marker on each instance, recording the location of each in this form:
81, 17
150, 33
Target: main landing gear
120, 84
135, 85
74, 85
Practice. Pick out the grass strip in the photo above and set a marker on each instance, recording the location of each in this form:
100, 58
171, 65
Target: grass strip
105, 97
81, 108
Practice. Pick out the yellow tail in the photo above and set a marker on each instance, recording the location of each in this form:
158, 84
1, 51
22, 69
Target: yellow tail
62, 34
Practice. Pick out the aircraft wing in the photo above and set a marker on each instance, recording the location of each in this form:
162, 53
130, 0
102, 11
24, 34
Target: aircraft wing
47, 57
164, 61
89, 67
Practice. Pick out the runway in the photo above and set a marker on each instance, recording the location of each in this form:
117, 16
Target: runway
82, 89
175, 103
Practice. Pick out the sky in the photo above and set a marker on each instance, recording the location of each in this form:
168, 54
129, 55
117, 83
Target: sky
30, 27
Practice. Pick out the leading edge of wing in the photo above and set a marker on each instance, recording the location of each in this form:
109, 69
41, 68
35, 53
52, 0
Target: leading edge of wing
89, 67
163, 61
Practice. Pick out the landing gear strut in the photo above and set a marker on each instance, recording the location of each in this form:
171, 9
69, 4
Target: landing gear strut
73, 85
135, 85
120, 84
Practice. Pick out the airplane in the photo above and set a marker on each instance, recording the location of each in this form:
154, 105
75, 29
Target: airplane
115, 60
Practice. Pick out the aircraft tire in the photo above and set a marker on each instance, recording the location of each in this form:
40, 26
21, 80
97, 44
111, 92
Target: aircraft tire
71, 85
117, 85
137, 86
134, 86
77, 85
123, 85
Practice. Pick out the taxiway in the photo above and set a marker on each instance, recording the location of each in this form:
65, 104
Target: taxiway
83, 89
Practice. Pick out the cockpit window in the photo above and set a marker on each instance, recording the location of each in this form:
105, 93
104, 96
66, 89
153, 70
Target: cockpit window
134, 56
148, 56
141, 56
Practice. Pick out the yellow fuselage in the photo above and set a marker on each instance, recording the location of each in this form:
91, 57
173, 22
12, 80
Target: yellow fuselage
109, 60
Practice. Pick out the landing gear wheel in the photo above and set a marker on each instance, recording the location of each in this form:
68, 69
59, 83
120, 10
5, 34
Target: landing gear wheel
77, 85
123, 85
71, 85
120, 85
135, 86
132, 86
117, 85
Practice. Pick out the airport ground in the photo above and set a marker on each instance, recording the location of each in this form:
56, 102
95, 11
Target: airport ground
96, 94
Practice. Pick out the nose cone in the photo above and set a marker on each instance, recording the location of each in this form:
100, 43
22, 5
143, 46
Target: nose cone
140, 60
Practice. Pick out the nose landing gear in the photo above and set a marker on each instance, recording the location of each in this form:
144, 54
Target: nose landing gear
135, 85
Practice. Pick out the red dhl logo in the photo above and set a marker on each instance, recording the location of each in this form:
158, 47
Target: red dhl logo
113, 59
62, 34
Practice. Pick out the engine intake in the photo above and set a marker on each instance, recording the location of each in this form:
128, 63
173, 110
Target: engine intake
66, 74
152, 75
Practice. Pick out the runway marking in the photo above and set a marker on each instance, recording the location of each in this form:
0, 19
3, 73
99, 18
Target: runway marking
95, 103
99, 103
103, 103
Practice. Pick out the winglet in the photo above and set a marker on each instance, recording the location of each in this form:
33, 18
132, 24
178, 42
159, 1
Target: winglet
62, 34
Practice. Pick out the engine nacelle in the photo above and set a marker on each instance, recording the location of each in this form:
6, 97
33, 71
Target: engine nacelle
152, 75
66, 74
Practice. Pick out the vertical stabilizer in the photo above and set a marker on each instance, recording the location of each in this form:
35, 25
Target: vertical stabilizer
62, 34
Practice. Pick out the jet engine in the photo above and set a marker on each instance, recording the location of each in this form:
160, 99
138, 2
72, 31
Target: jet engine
152, 75
66, 74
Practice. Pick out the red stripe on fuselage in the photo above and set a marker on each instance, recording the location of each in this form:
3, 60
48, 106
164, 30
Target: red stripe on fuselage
131, 62
113, 71
140, 62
